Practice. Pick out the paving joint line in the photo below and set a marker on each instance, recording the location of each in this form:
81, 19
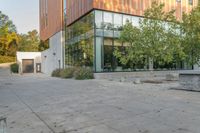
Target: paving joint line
29, 107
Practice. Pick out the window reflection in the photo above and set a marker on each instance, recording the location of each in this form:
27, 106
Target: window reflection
99, 19
92, 40
108, 21
135, 21
108, 54
126, 19
79, 48
117, 22
82, 44
108, 29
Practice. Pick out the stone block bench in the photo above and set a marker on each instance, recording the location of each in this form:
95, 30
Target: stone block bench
190, 80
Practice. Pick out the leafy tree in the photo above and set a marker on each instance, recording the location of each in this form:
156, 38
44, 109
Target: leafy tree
6, 22
133, 51
161, 35
191, 35
10, 41
43, 45
8, 36
157, 38
86, 49
29, 42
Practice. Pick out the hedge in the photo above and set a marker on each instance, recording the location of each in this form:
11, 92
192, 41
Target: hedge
14, 68
78, 73
83, 73
6, 59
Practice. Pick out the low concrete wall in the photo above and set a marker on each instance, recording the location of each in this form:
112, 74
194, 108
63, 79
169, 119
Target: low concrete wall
196, 67
190, 80
130, 76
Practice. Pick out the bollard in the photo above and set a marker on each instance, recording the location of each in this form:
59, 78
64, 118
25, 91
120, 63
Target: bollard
3, 124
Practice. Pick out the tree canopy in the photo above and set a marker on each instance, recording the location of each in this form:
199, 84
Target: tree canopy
8, 36
29, 42
161, 35
157, 38
11, 41
6, 22
191, 35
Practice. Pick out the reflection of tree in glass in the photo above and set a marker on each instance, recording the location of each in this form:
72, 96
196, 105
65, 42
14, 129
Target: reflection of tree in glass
87, 52
152, 40
81, 53
80, 50
83, 25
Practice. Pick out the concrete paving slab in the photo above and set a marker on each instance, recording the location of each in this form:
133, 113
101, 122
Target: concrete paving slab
41, 104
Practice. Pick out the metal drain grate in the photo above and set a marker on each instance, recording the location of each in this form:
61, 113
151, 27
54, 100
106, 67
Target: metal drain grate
3, 124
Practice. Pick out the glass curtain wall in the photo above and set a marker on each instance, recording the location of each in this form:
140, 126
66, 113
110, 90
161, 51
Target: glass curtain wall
91, 41
108, 26
79, 49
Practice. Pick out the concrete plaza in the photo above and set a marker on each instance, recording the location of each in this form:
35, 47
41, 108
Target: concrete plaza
41, 104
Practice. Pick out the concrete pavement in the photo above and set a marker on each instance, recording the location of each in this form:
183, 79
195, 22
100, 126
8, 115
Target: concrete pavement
41, 104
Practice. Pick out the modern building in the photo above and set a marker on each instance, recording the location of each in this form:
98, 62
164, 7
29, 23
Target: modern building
52, 30
86, 32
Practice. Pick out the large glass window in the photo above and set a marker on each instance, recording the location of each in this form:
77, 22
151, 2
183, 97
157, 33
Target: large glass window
117, 21
126, 18
82, 27
86, 46
108, 54
108, 24
99, 22
117, 65
80, 53
135, 21
98, 19
108, 20
107, 33
117, 25
80, 42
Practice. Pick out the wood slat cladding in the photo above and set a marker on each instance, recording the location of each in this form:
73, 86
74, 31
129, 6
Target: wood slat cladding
77, 8
51, 11
137, 7
51, 18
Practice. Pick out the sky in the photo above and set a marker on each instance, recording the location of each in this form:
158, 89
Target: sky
23, 13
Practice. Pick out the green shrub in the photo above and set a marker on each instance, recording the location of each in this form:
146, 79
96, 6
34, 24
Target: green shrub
14, 68
67, 73
83, 73
6, 59
56, 73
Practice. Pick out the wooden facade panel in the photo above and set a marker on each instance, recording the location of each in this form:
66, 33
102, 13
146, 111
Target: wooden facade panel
51, 18
53, 21
133, 7
137, 7
77, 8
